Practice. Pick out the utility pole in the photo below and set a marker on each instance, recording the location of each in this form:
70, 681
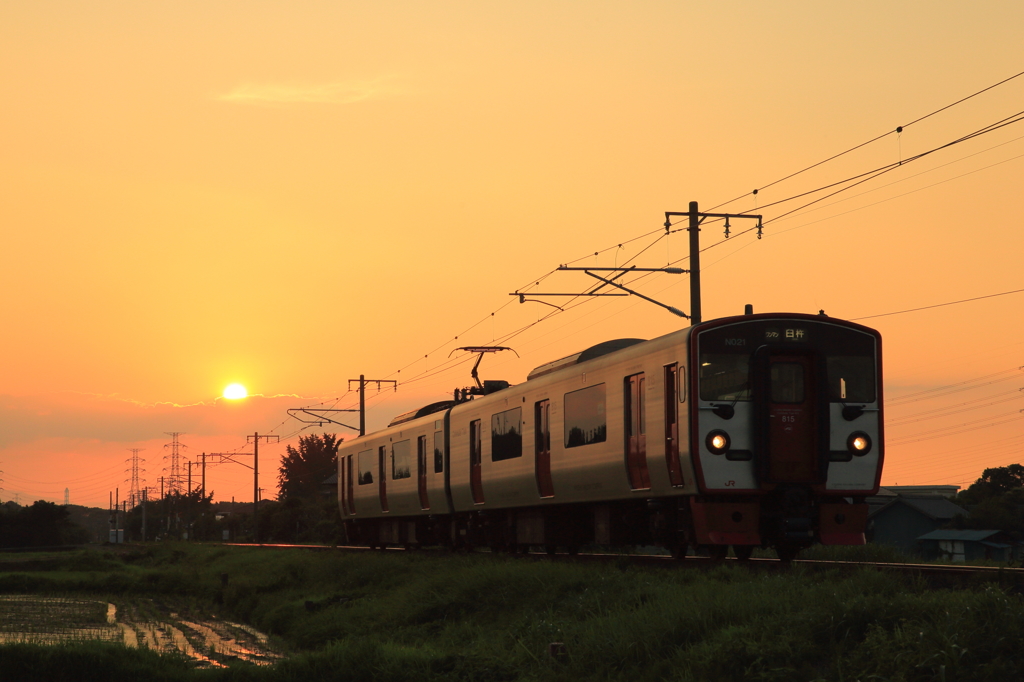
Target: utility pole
143, 514
694, 230
363, 381
163, 503
255, 440
696, 218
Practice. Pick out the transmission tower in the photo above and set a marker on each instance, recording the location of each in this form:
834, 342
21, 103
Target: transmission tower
133, 471
174, 479
67, 496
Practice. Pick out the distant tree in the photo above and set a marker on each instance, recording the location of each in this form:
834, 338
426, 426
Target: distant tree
303, 470
43, 524
995, 501
173, 515
992, 483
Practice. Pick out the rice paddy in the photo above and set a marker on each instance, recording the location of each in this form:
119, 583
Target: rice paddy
205, 613
207, 640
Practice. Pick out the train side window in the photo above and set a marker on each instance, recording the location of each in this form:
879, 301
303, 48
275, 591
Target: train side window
585, 421
438, 451
507, 434
401, 460
366, 467
681, 383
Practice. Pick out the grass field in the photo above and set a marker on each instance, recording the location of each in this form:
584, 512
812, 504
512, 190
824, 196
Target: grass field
423, 616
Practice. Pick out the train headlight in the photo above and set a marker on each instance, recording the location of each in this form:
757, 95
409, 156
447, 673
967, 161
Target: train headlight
859, 443
718, 442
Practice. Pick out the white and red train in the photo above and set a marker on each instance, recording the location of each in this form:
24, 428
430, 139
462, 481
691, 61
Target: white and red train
751, 431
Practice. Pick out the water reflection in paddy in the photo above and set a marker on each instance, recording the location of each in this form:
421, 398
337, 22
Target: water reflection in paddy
208, 640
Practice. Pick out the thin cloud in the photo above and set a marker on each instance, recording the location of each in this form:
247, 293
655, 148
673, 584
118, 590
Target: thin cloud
348, 92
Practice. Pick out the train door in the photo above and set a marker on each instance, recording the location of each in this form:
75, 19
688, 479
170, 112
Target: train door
636, 437
351, 499
382, 474
675, 471
421, 470
475, 461
790, 411
542, 448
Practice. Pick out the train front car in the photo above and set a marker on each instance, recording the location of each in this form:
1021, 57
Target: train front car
787, 429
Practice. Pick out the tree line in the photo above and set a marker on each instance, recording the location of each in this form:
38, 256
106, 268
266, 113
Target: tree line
994, 502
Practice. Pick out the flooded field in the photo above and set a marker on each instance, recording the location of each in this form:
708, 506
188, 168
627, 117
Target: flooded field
208, 640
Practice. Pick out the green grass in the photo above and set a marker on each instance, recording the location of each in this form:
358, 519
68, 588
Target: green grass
428, 616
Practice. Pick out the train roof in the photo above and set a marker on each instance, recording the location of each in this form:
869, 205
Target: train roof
589, 354
422, 412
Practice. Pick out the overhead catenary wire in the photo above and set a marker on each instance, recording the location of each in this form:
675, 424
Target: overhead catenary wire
896, 130
965, 385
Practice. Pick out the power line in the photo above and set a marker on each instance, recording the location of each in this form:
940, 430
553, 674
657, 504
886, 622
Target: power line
951, 410
897, 130
953, 388
937, 305
861, 178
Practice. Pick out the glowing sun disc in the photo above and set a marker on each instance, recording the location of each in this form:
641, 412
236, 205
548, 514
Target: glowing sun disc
235, 392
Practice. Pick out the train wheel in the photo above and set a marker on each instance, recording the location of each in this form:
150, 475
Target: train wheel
717, 552
550, 549
743, 552
678, 551
573, 550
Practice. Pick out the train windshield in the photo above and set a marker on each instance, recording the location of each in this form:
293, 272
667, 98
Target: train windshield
726, 354
724, 376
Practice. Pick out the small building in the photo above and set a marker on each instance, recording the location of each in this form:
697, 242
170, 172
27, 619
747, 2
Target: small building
329, 487
901, 520
959, 546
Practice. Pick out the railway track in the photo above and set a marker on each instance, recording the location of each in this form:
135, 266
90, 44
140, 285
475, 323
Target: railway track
940, 574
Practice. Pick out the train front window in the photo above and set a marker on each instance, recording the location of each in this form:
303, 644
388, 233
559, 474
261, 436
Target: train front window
787, 382
726, 354
851, 378
724, 376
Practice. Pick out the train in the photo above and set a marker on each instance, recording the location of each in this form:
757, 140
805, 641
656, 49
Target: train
756, 430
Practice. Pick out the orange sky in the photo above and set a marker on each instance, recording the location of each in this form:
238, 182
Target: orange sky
288, 196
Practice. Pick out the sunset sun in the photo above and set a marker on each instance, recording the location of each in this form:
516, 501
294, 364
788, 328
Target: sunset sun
235, 392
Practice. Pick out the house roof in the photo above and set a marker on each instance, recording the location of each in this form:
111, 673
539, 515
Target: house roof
915, 490
966, 535
935, 508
